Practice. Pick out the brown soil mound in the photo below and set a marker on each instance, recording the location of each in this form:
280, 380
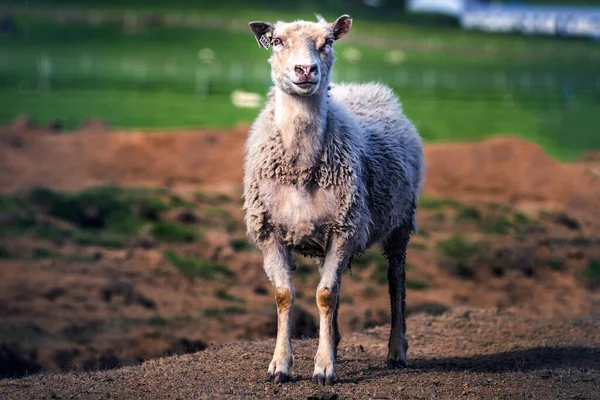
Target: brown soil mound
510, 170
464, 354
502, 169
73, 161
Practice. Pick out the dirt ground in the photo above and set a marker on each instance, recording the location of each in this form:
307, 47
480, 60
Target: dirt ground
470, 354
519, 320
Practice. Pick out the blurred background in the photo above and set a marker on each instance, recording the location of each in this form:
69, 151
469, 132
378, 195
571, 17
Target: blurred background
121, 145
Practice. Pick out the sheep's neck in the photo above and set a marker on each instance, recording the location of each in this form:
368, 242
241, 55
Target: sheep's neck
301, 122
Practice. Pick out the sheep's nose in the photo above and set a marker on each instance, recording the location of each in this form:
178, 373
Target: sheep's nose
305, 70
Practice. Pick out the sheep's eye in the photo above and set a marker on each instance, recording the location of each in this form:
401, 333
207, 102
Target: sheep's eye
277, 42
327, 45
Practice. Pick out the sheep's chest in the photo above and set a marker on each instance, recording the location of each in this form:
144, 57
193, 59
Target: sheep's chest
302, 215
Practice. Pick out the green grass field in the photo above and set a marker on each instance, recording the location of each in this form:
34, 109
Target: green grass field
455, 85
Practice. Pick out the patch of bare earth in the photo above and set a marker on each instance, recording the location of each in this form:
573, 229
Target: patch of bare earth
469, 354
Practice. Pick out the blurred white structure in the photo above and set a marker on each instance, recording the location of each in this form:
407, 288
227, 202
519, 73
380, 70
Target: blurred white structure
527, 19
453, 8
242, 99
544, 20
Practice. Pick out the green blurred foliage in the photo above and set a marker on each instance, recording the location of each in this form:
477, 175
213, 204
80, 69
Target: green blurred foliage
454, 85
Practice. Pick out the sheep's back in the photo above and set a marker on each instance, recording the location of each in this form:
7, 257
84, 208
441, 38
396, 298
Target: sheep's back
393, 159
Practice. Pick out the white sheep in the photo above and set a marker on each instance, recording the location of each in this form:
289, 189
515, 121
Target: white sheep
329, 171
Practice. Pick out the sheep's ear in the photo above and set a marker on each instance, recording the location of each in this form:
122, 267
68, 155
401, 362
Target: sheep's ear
341, 26
263, 32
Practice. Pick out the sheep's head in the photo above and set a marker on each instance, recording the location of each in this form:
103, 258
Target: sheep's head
302, 55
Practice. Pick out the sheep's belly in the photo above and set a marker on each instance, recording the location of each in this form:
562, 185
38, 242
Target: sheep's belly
303, 217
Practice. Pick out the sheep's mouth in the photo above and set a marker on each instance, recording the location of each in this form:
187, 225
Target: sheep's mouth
305, 84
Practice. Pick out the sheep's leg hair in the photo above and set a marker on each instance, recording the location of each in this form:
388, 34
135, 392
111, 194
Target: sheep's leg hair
395, 249
327, 302
337, 337
278, 266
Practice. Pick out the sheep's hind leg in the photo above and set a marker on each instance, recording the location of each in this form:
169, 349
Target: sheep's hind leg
327, 303
395, 249
278, 266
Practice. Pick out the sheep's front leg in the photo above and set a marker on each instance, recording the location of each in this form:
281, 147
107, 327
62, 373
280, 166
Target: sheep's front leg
327, 302
278, 266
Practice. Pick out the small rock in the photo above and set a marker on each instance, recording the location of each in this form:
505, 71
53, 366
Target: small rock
260, 290
188, 217
145, 302
55, 125
567, 221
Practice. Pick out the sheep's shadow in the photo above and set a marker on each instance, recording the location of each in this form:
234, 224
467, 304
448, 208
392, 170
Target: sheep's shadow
537, 358
534, 359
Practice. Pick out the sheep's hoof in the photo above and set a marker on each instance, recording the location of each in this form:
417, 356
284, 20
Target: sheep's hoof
396, 364
322, 380
278, 377
281, 377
